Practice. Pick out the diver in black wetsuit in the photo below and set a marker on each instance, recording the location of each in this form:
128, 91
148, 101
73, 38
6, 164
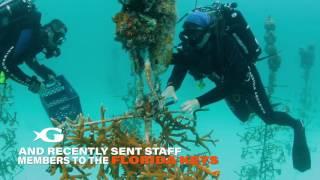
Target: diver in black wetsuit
224, 56
22, 37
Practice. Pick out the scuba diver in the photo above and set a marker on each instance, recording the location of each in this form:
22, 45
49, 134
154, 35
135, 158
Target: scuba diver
22, 38
217, 43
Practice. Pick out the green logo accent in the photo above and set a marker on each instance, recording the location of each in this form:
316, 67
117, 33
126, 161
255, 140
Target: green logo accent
201, 84
2, 78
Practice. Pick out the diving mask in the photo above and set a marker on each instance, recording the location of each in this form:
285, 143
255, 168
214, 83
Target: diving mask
55, 33
192, 34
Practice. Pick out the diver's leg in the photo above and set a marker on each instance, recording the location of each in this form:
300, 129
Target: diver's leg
259, 101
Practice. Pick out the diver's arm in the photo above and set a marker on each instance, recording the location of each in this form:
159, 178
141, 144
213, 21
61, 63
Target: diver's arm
178, 74
10, 66
40, 69
232, 77
13, 56
214, 95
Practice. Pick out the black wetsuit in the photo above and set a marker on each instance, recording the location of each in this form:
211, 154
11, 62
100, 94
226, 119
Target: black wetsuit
21, 44
228, 61
230, 70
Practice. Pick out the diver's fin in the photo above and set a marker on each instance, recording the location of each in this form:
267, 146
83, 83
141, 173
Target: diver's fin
300, 151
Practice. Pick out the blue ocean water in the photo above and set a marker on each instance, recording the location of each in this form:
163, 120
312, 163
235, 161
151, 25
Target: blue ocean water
98, 68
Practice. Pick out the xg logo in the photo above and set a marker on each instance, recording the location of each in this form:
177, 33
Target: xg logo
43, 135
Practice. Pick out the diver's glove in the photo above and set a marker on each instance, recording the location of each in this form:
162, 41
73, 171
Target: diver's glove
190, 106
36, 86
169, 94
51, 79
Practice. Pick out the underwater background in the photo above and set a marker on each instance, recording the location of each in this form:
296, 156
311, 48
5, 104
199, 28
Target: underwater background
99, 70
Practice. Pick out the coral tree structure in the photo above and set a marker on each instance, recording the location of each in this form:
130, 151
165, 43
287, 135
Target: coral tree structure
9, 167
307, 60
307, 99
145, 28
274, 60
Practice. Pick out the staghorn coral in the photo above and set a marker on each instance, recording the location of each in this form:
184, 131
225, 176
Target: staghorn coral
9, 167
262, 153
88, 133
133, 126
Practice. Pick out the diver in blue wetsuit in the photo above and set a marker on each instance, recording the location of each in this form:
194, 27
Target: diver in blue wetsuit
223, 49
23, 37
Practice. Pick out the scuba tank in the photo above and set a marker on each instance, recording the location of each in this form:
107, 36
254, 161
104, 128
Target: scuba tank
12, 13
12, 10
237, 26
15, 7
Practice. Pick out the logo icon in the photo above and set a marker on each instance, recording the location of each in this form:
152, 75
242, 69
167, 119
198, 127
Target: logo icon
43, 135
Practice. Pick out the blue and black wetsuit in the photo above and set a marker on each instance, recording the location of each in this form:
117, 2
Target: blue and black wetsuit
21, 45
231, 72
